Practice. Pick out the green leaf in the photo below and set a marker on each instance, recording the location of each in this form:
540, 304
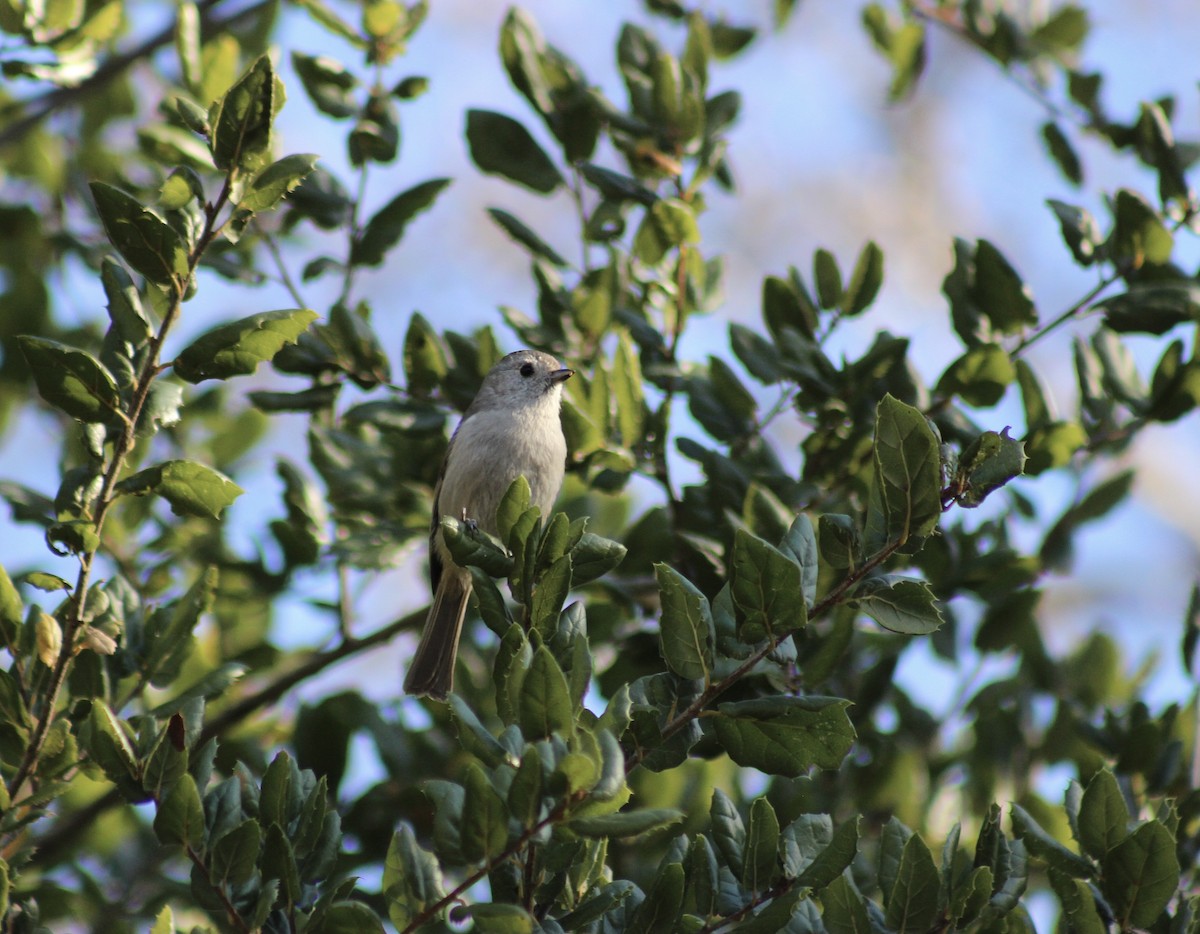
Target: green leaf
502, 146
593, 557
814, 853
345, 917
906, 497
1057, 547
828, 279
473, 735
728, 830
843, 908
800, 544
912, 901
110, 747
1078, 904
549, 595
1152, 307
412, 878
1052, 445
11, 611
524, 235
269, 187
71, 380
148, 243
626, 823
386, 228
899, 604
545, 702
785, 304
767, 589
1140, 874
617, 187
425, 364
668, 224
235, 854
484, 828
865, 281
1062, 152
1079, 229
1140, 234
1046, 848
687, 632
627, 386
124, 303
999, 292
980, 376
500, 918
237, 348
785, 735
473, 547
328, 83
1103, 815
988, 462
241, 120
760, 862
180, 816
192, 489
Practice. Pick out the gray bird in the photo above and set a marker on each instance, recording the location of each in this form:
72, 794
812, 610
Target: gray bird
511, 428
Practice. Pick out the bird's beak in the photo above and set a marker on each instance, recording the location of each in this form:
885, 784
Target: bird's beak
561, 376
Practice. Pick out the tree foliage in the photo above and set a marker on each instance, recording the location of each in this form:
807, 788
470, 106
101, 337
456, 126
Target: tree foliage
686, 718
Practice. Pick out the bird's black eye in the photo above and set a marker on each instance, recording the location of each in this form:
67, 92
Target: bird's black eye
526, 369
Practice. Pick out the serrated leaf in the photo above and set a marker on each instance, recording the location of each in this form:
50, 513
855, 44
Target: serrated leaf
192, 489
241, 121
687, 632
1140, 874
906, 496
272, 184
1103, 815
899, 604
988, 462
386, 228
71, 380
785, 735
472, 547
237, 348
1046, 848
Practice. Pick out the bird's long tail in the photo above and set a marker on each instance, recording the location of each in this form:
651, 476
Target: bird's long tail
432, 668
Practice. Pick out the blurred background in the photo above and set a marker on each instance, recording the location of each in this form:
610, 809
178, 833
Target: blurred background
821, 160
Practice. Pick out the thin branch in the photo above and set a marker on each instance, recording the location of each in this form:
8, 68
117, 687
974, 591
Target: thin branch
1067, 315
285, 277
